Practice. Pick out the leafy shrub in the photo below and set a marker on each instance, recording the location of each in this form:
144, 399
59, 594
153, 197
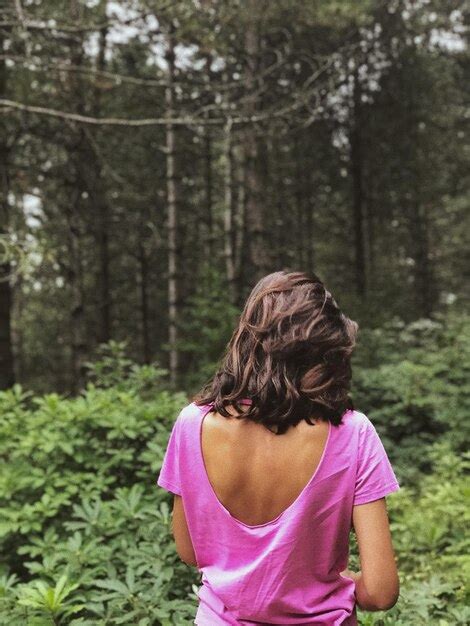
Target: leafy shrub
84, 530
414, 383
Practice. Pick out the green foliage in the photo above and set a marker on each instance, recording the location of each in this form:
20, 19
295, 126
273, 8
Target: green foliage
414, 382
85, 532
113, 368
207, 324
49, 600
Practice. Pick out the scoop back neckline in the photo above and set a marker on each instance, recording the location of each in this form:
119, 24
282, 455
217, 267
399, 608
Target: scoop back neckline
205, 410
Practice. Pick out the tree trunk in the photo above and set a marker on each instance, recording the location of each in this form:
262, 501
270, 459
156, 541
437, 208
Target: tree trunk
74, 215
75, 279
281, 228
228, 213
102, 211
104, 289
144, 302
310, 252
423, 274
258, 255
208, 189
356, 156
299, 205
371, 257
239, 229
172, 214
7, 377
208, 174
417, 213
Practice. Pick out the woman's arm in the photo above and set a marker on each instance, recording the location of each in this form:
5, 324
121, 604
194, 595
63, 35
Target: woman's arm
377, 584
184, 545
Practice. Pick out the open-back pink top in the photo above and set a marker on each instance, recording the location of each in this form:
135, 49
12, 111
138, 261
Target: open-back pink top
286, 571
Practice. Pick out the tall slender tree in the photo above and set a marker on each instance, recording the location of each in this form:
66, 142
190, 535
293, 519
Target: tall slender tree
172, 209
7, 376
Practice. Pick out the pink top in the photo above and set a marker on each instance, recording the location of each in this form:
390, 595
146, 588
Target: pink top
286, 571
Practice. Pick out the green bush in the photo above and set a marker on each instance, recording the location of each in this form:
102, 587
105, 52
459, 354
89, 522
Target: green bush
84, 529
414, 383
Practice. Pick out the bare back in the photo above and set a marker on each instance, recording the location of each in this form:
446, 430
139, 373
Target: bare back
254, 473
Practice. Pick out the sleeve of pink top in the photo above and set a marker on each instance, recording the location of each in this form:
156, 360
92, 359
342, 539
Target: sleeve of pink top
169, 476
375, 477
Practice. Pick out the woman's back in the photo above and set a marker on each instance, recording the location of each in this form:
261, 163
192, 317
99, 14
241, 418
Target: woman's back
269, 516
255, 474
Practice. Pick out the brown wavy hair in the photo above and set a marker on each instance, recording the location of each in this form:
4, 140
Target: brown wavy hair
289, 354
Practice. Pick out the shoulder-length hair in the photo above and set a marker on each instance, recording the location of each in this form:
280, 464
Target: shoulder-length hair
289, 354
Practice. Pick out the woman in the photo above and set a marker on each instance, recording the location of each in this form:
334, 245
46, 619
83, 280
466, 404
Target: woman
272, 467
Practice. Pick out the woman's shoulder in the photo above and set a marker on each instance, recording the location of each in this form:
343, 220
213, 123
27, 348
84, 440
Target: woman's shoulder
191, 411
356, 419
